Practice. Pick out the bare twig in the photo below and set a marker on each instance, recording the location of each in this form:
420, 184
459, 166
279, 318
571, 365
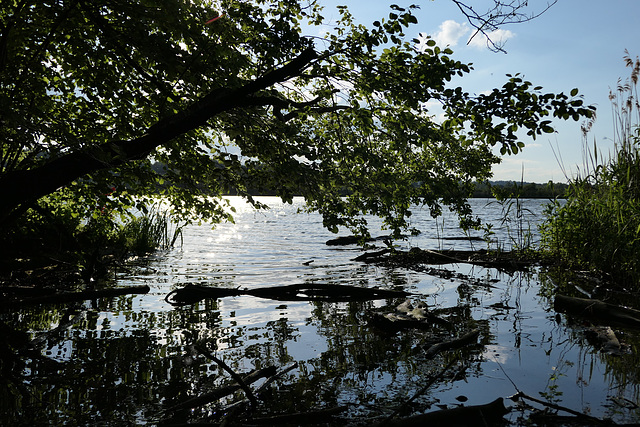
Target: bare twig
502, 13
234, 375
275, 376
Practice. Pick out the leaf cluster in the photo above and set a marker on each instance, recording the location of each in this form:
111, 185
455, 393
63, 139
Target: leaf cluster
98, 94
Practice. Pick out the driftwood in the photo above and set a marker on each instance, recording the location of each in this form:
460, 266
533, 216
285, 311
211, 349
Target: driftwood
369, 256
468, 338
300, 292
416, 258
352, 240
597, 310
238, 379
477, 415
408, 316
65, 297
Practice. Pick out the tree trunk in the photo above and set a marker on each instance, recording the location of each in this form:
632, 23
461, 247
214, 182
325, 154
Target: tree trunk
26, 186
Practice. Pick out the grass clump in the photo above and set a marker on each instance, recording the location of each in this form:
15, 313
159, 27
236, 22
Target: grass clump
149, 232
598, 228
57, 245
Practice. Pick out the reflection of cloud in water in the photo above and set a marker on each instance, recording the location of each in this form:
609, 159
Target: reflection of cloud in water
497, 353
244, 311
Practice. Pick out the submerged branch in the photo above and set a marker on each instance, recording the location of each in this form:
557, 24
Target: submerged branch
219, 393
234, 375
598, 310
468, 338
78, 296
579, 415
477, 415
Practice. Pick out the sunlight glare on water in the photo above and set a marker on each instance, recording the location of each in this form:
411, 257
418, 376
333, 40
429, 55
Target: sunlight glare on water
338, 352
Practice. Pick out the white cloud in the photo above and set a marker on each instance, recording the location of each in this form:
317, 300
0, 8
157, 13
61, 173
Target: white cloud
450, 32
497, 36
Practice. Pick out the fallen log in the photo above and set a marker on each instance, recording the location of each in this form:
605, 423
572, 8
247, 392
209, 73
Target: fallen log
597, 310
477, 415
65, 297
326, 292
468, 338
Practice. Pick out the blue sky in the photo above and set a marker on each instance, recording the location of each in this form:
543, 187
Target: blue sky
576, 43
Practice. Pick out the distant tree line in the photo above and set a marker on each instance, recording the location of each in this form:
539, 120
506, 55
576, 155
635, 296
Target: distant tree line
527, 190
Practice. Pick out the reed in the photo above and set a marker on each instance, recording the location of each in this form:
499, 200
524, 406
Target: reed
151, 231
598, 227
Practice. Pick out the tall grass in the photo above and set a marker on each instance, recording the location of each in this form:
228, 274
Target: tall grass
599, 226
148, 232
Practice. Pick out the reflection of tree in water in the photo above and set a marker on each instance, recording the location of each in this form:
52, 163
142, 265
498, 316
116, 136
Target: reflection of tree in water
105, 370
372, 369
620, 369
99, 371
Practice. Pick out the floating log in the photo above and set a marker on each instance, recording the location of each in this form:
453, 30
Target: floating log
369, 256
347, 240
193, 293
65, 297
597, 310
352, 240
466, 339
327, 292
477, 415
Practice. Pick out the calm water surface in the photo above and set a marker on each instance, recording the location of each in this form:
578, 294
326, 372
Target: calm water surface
125, 360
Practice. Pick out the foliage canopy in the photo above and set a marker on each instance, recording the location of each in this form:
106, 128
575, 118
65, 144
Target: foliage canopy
92, 95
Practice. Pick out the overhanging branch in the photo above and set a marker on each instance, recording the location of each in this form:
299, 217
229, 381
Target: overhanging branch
25, 186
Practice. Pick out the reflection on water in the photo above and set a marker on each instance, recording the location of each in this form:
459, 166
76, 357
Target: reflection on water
129, 358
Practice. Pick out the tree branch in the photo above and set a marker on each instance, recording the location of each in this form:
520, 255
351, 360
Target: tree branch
24, 186
502, 13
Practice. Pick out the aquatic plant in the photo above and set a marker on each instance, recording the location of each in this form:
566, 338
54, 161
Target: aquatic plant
152, 230
599, 226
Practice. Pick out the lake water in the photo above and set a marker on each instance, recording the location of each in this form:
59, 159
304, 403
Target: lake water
125, 360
